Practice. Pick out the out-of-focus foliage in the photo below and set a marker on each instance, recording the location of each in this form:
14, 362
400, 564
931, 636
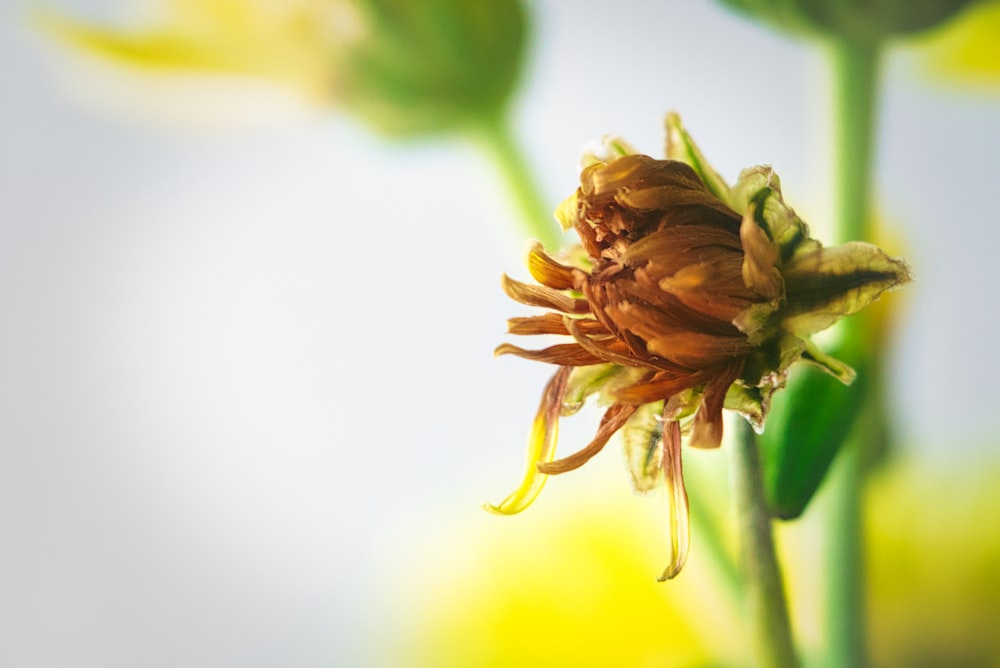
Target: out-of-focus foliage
405, 68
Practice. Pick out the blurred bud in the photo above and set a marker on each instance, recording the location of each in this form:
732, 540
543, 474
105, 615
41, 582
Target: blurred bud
405, 68
869, 21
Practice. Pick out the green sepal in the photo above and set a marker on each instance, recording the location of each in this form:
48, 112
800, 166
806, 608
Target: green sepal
680, 146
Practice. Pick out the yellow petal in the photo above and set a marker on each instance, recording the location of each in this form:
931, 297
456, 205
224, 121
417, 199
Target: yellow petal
541, 447
680, 513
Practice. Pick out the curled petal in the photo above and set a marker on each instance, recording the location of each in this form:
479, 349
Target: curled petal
613, 420
563, 354
548, 272
680, 513
536, 295
541, 447
670, 196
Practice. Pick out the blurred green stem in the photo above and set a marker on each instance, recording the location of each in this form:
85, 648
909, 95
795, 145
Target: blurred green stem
854, 74
534, 216
763, 589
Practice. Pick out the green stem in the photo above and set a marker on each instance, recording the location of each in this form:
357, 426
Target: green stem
535, 217
764, 594
708, 534
854, 74
854, 69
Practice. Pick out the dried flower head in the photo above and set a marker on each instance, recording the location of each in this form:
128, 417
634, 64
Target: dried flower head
686, 297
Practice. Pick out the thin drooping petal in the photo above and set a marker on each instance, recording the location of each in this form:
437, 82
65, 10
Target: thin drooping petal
563, 354
680, 513
541, 447
614, 418
536, 295
548, 323
707, 430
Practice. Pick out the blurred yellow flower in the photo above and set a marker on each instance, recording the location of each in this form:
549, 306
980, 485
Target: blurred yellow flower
966, 50
569, 590
287, 41
563, 590
405, 68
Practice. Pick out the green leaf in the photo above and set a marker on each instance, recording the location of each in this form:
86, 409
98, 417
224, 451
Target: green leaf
808, 422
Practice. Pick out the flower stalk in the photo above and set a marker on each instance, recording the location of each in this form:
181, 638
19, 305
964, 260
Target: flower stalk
763, 588
854, 70
533, 215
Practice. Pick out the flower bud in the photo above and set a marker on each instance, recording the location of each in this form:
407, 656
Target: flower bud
405, 68
869, 21
692, 297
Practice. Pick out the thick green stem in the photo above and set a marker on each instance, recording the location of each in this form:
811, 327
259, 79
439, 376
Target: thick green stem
534, 216
763, 589
854, 68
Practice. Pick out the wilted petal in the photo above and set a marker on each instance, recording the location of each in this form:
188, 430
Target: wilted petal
613, 419
548, 272
661, 386
563, 354
713, 288
680, 513
696, 350
549, 323
541, 447
606, 350
706, 432
566, 212
670, 196
826, 284
536, 295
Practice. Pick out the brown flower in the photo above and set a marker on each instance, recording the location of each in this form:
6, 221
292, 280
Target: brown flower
688, 297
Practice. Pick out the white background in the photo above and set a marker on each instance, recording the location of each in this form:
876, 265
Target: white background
245, 371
